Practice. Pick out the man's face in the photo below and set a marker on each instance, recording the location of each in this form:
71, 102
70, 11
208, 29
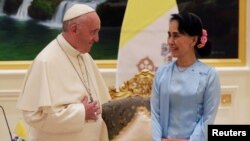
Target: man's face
88, 32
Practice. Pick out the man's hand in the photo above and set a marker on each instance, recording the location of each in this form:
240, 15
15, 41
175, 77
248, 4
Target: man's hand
92, 110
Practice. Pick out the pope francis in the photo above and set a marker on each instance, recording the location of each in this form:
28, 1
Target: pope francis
63, 90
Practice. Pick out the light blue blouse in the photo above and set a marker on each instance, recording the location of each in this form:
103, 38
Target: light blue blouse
184, 102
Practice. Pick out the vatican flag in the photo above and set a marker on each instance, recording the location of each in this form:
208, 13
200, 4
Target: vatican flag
21, 131
143, 37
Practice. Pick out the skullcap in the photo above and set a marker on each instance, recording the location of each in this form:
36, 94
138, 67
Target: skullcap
77, 10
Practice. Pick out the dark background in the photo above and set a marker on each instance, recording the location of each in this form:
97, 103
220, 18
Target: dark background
23, 40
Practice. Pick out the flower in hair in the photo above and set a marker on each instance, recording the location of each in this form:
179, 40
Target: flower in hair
203, 38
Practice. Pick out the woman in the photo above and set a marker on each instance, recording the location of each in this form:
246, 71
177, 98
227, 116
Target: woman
186, 92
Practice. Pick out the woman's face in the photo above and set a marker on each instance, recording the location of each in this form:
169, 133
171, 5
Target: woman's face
180, 44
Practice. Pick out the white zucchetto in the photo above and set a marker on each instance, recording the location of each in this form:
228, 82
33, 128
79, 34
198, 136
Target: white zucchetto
77, 10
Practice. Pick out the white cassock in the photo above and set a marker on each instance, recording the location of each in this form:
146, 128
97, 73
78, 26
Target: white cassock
51, 97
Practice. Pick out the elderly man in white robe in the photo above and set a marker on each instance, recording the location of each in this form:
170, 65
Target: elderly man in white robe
63, 89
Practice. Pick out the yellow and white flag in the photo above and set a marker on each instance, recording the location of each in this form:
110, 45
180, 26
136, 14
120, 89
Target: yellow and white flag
143, 37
